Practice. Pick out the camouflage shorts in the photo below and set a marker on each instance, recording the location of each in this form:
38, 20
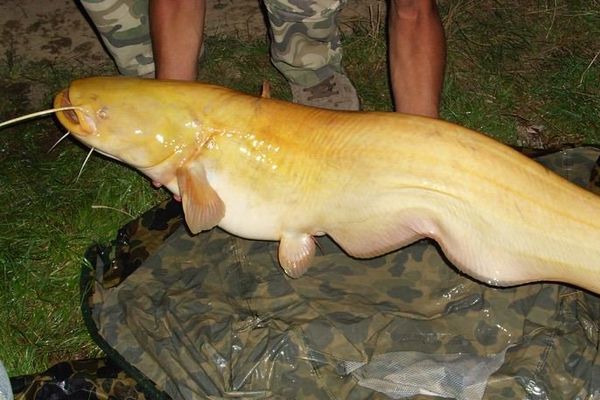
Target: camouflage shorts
125, 31
305, 40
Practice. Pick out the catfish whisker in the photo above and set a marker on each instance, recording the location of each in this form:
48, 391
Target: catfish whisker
84, 162
114, 209
38, 114
59, 140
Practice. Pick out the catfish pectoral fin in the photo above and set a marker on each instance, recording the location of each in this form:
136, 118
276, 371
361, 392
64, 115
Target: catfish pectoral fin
296, 252
202, 206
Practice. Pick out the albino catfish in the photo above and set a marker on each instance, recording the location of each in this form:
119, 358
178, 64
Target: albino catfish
267, 169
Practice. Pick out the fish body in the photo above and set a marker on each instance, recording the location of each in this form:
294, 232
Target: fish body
266, 169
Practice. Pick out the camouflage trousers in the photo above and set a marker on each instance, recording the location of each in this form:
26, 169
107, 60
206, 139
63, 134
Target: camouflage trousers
305, 39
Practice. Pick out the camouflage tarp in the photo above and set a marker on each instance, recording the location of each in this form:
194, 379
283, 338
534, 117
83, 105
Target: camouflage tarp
213, 315
81, 379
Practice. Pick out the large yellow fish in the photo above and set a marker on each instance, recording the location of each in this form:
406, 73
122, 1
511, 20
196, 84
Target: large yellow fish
267, 169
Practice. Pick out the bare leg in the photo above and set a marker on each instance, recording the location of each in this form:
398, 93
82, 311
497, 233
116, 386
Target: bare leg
417, 53
176, 28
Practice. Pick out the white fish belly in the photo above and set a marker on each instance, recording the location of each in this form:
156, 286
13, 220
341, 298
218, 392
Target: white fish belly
247, 214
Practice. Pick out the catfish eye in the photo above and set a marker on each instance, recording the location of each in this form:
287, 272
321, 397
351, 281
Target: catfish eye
102, 113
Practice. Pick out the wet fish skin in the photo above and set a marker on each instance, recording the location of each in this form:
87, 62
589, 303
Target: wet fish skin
267, 169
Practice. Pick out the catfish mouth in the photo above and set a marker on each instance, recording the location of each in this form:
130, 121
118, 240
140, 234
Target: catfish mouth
75, 120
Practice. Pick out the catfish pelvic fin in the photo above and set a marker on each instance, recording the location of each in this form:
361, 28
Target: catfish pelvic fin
296, 252
202, 206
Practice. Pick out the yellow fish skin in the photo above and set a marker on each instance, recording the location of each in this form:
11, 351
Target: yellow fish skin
270, 170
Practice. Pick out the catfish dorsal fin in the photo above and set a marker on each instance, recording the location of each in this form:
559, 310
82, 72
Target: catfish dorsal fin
202, 206
265, 92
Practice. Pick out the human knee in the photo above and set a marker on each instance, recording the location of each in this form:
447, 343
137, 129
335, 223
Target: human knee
412, 9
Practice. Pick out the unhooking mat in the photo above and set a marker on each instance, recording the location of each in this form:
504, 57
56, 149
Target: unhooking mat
213, 316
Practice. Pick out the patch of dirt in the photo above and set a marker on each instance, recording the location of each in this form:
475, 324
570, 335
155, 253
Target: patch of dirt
57, 32
52, 30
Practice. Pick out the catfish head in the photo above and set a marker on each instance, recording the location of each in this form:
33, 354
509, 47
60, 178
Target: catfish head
141, 122
157, 127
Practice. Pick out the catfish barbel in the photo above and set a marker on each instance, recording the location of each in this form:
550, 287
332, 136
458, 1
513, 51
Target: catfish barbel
374, 182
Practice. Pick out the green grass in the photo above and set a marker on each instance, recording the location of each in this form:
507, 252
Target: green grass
524, 63
47, 221
511, 64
